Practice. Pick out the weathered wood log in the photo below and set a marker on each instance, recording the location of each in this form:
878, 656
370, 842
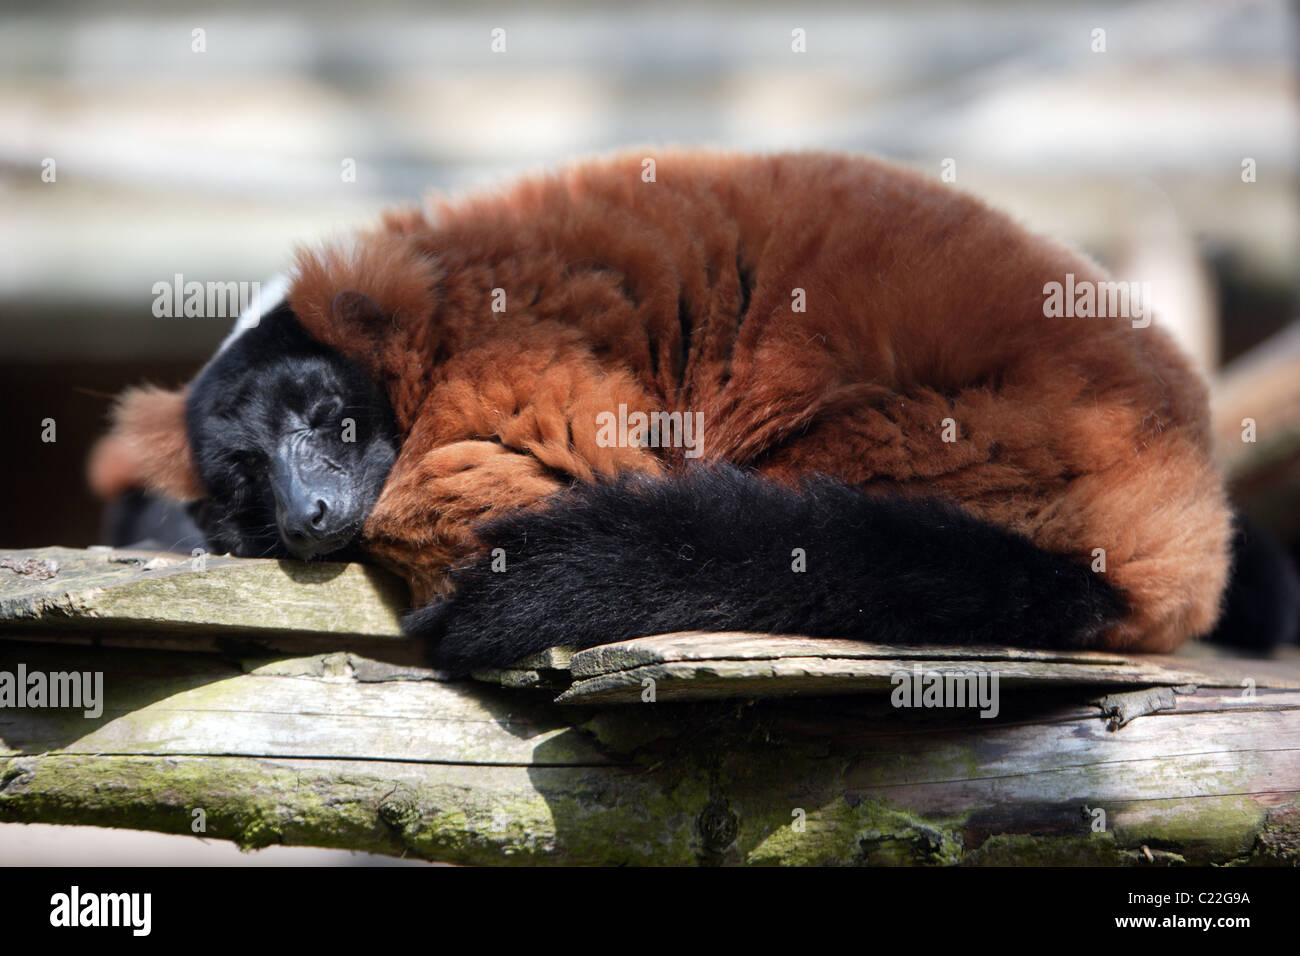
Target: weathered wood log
333, 748
207, 602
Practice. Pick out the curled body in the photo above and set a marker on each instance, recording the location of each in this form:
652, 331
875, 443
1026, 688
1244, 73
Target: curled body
862, 351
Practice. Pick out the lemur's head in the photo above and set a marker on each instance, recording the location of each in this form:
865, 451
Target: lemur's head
292, 443
281, 444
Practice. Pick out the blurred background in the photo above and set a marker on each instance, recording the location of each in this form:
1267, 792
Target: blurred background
139, 140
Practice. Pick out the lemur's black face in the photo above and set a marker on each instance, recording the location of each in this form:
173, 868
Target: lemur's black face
292, 442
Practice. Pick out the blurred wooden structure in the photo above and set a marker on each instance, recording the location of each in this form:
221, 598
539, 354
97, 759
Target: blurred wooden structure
1257, 431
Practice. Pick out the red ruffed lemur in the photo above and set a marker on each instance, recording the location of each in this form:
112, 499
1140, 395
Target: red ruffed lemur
803, 393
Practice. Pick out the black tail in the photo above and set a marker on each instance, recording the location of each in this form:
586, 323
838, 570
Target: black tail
1262, 607
718, 549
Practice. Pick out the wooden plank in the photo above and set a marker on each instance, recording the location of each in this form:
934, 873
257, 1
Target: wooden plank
335, 750
698, 666
740, 646
162, 600
312, 708
788, 677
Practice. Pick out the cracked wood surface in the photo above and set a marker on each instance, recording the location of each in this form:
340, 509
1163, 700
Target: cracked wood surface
335, 747
129, 598
335, 750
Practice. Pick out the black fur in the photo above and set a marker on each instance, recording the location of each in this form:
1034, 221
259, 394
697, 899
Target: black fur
1262, 604
140, 520
713, 550
266, 425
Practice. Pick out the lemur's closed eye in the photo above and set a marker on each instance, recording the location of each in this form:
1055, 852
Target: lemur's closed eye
292, 443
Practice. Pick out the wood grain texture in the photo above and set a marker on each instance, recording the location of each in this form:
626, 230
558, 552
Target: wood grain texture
335, 750
156, 599
793, 760
697, 665
148, 591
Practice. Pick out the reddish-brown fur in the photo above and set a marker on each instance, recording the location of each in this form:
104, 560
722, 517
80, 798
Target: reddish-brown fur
146, 448
921, 305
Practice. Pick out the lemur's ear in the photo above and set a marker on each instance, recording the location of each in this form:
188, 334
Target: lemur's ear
356, 308
147, 447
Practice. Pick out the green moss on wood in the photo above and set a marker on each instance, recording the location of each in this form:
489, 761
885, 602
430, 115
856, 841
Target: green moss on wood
1204, 830
870, 832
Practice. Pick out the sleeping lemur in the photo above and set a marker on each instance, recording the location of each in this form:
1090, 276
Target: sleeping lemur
804, 393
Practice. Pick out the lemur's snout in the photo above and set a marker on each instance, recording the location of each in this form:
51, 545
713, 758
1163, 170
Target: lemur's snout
315, 513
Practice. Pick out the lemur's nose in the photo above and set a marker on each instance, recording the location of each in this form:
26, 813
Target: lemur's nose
311, 529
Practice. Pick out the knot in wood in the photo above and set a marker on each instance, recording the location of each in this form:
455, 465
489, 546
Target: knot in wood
399, 809
718, 825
